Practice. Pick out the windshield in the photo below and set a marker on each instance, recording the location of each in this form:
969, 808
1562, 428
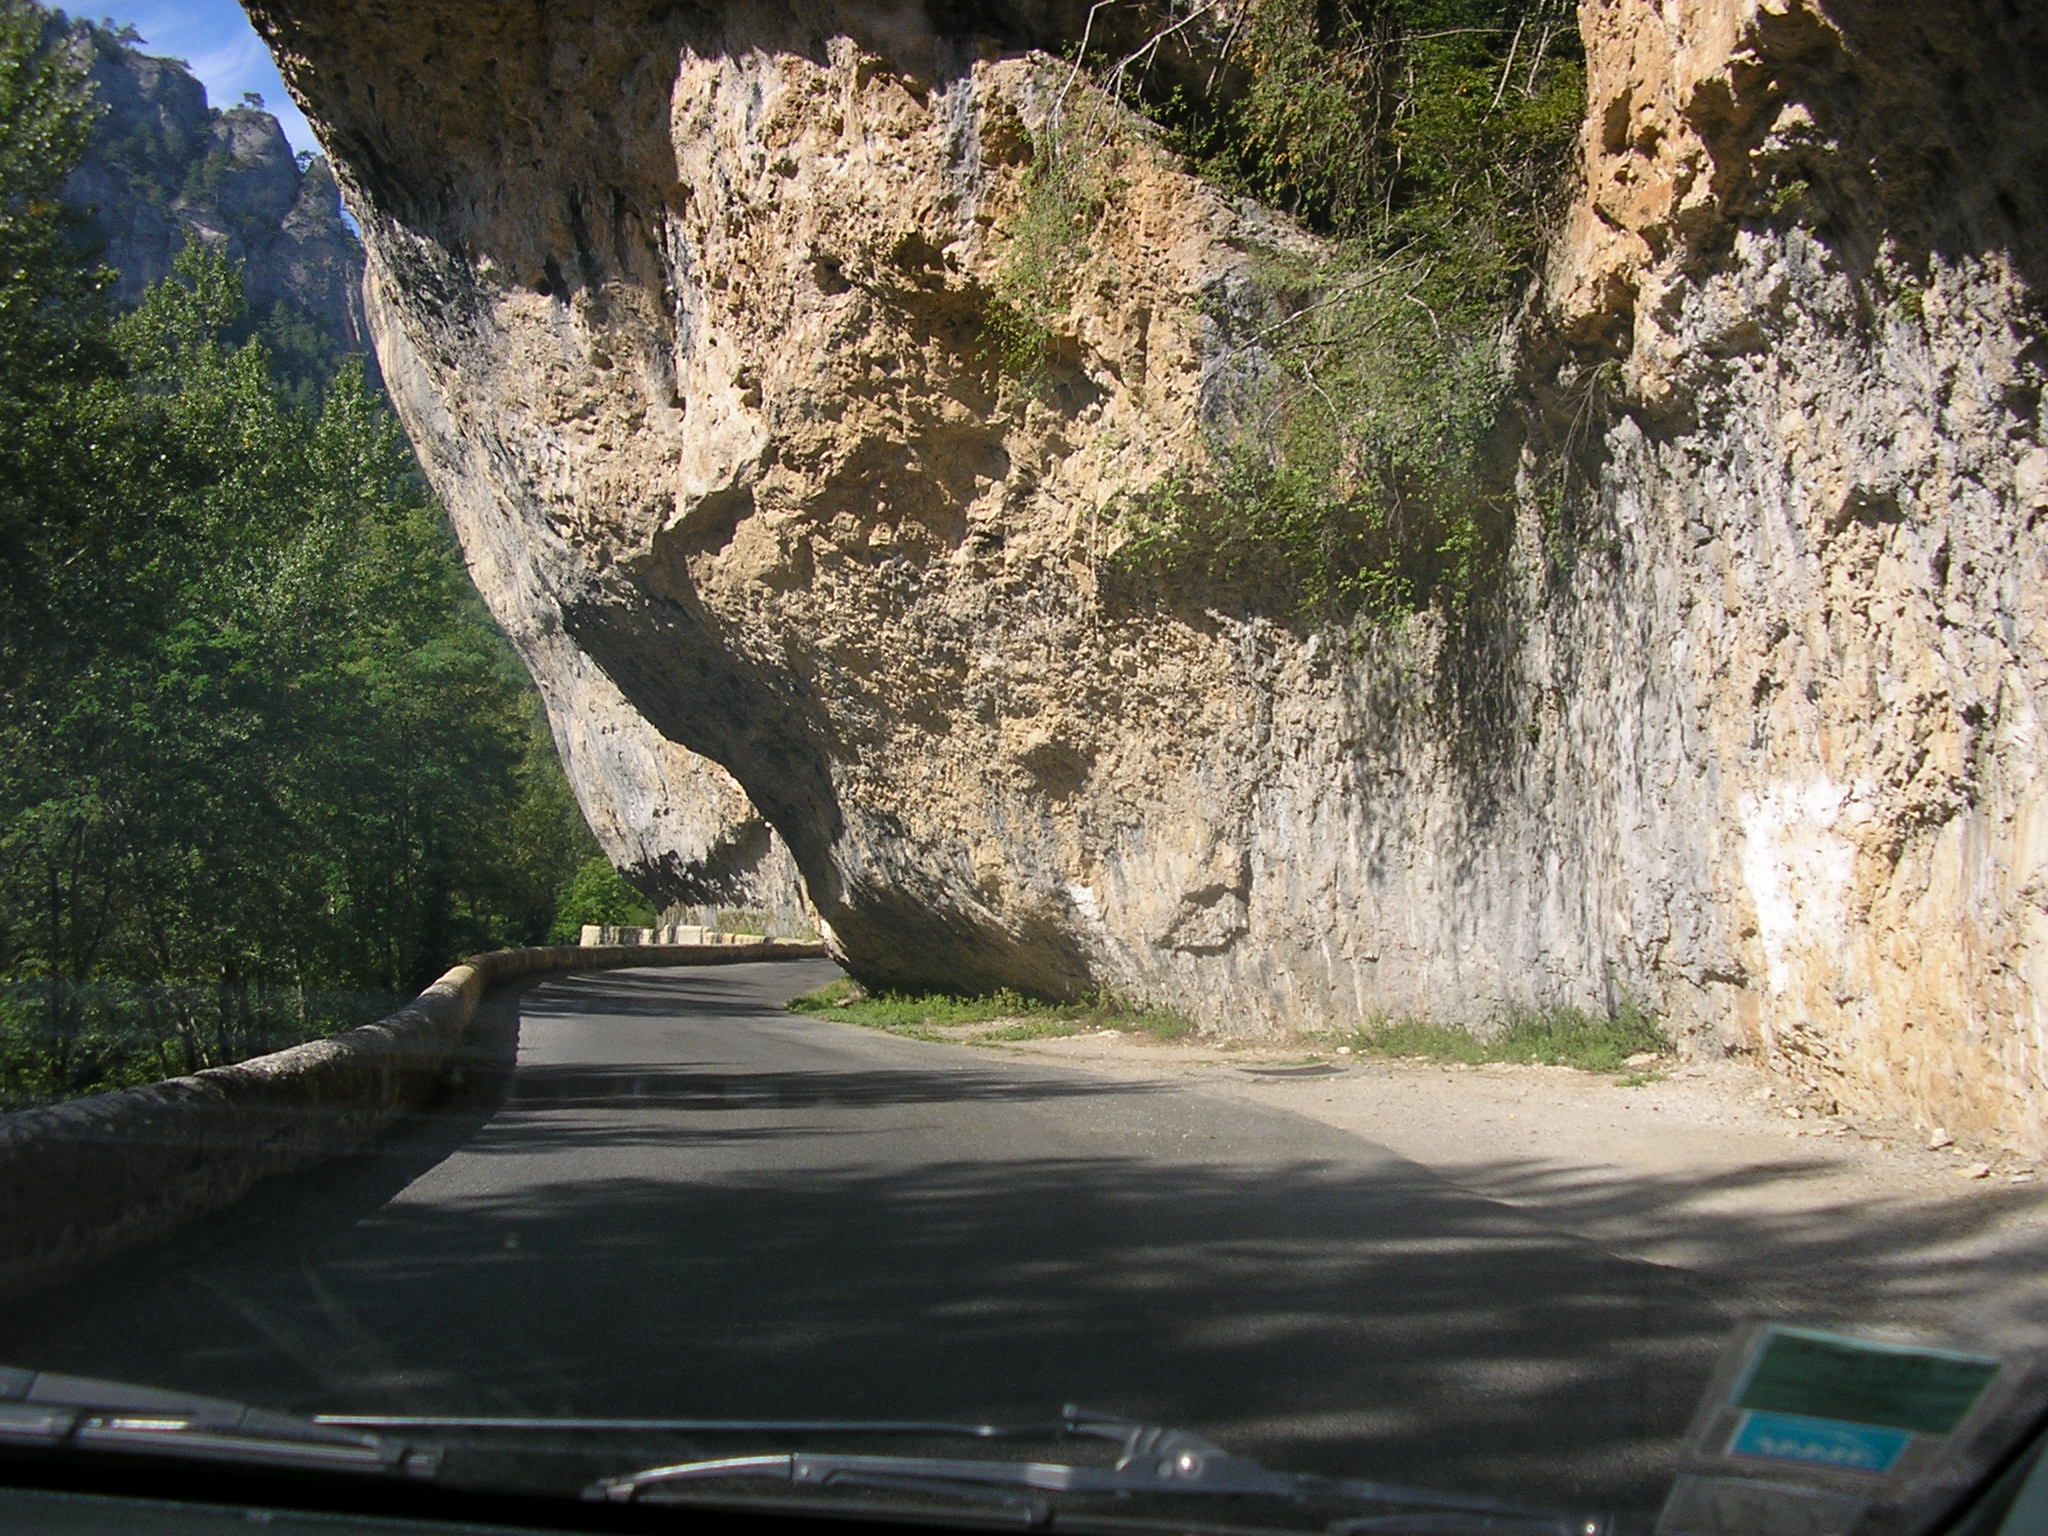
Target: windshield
1249, 763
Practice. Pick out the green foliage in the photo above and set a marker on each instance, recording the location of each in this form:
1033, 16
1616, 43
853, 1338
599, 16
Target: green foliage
1426, 136
52, 335
1027, 1029
835, 993
303, 357
1787, 199
1160, 1023
1556, 1037
1401, 123
1047, 240
1354, 481
265, 766
746, 920
924, 1010
46, 118
598, 893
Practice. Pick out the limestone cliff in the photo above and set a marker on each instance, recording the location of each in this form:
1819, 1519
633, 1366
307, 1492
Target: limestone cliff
688, 311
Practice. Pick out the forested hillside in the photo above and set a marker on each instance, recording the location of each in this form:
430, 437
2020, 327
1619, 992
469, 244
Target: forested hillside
162, 168
265, 764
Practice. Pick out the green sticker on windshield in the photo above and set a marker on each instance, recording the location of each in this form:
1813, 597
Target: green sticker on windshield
1827, 1376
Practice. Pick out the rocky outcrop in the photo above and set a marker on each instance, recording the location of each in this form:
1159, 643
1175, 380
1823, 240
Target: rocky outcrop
674, 823
1809, 265
164, 168
690, 313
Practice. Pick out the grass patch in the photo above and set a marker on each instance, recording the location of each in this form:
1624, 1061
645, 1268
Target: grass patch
1551, 1037
1160, 1023
1007, 1015
1028, 1029
1557, 1037
928, 1010
841, 989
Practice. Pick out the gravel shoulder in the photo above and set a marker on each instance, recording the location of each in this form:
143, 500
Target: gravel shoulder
1784, 1209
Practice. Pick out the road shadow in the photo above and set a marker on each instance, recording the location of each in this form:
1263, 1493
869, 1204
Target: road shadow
714, 1087
654, 995
1370, 1321
282, 1217
561, 1109
1975, 1264
1501, 1329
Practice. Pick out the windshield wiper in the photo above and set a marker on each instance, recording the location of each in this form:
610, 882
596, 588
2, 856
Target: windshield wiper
916, 1429
1154, 1460
46, 1410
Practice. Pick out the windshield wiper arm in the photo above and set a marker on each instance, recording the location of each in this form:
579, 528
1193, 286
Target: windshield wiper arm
45, 1409
926, 1429
1155, 1460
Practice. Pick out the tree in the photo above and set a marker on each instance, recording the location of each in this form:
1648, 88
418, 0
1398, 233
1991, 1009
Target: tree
265, 764
281, 769
599, 894
54, 919
51, 314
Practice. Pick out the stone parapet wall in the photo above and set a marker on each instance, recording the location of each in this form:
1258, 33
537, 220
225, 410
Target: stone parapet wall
83, 1181
600, 934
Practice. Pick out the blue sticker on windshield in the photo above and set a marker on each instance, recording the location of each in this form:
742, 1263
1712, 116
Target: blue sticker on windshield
1819, 1442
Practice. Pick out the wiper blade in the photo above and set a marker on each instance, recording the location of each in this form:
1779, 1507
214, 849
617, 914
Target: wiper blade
1155, 1461
49, 1410
924, 1429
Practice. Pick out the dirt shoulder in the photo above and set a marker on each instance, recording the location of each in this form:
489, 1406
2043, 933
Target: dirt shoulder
1705, 1167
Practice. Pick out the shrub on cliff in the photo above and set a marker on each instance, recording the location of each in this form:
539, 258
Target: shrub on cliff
1426, 138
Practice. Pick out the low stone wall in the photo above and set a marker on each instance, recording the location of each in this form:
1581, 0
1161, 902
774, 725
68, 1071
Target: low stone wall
84, 1180
669, 933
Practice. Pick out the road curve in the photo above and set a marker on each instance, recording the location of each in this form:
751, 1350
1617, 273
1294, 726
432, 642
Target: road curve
656, 1192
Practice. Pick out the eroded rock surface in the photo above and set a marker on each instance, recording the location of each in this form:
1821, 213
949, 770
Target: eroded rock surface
687, 311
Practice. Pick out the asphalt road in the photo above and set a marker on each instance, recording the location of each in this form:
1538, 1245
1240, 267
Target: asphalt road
658, 1193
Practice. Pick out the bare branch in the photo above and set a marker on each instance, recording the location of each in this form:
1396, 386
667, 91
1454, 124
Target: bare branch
1229, 43
1542, 44
1059, 102
1113, 81
1508, 68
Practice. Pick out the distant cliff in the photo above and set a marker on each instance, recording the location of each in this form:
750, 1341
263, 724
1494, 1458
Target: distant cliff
165, 168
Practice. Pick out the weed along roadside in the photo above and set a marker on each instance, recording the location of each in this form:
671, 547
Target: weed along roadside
995, 1018
1549, 1037
1556, 1037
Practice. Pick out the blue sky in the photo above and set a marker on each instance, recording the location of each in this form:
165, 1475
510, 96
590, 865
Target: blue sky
215, 38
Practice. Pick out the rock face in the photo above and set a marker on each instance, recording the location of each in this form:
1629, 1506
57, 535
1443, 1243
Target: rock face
675, 823
163, 168
1813, 240
689, 315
